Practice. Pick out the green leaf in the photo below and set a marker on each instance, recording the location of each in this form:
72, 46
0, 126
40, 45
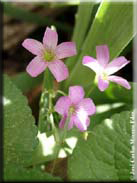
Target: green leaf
85, 8
25, 82
105, 111
113, 25
105, 156
15, 172
114, 93
79, 34
19, 126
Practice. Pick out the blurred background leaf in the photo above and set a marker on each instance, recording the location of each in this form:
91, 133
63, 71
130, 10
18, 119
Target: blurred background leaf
25, 82
28, 16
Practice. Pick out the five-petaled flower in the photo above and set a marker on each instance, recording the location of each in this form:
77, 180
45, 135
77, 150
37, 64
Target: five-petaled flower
76, 105
104, 70
49, 54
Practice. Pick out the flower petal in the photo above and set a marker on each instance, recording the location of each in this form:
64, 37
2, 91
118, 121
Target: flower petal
87, 105
33, 46
116, 65
120, 81
36, 66
62, 105
92, 64
88, 121
62, 121
81, 121
71, 123
59, 70
102, 84
66, 49
50, 38
76, 94
102, 52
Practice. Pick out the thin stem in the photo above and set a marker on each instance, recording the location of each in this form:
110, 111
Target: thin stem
48, 80
44, 103
43, 110
55, 130
61, 92
94, 86
55, 160
54, 164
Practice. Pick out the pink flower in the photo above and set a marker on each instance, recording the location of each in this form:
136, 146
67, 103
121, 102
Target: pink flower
49, 55
104, 70
79, 108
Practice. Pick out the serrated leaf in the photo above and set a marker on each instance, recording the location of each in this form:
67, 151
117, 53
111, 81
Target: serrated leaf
15, 172
19, 127
105, 156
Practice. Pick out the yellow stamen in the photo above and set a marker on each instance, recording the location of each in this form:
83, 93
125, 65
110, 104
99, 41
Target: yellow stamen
48, 56
72, 109
104, 76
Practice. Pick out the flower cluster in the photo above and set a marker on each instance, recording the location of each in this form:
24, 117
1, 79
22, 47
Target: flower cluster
50, 55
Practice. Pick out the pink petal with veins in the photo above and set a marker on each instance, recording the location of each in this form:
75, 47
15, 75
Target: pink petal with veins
34, 46
120, 81
92, 64
116, 64
66, 49
76, 94
62, 105
59, 70
102, 53
62, 121
50, 38
87, 105
81, 122
36, 66
71, 123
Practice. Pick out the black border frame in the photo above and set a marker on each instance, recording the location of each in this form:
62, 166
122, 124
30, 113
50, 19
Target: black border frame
1, 91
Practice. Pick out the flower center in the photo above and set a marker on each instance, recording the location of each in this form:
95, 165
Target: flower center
48, 56
72, 109
104, 76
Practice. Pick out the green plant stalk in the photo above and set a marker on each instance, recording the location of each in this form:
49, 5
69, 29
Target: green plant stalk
94, 85
62, 93
60, 141
45, 101
51, 121
42, 112
55, 160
